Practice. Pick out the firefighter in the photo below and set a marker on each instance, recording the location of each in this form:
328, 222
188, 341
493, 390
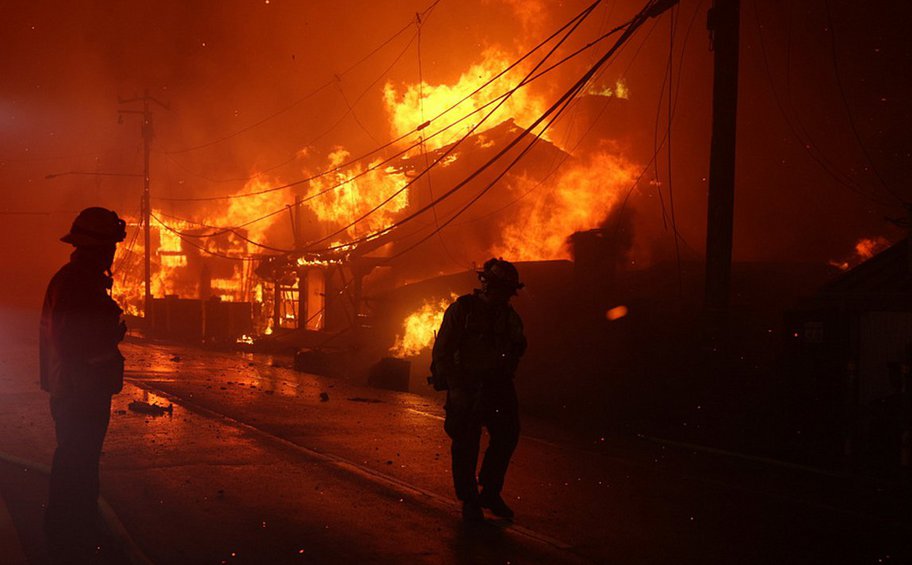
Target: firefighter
81, 367
475, 356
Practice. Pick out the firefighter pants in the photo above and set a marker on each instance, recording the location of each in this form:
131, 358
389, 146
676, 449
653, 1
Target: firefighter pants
80, 424
467, 412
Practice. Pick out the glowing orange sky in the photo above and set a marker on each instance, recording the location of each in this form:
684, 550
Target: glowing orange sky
226, 66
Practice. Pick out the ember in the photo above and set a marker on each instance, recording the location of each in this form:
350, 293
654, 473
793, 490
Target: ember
616, 313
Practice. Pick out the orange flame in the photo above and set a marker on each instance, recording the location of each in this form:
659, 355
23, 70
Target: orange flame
579, 199
419, 102
865, 248
619, 90
357, 196
240, 211
420, 328
171, 259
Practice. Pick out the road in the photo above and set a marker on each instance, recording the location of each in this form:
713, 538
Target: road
262, 464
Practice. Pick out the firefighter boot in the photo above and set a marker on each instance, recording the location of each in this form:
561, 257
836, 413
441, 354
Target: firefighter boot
496, 504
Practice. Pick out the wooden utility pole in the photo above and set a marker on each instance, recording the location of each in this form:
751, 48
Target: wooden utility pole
146, 208
723, 23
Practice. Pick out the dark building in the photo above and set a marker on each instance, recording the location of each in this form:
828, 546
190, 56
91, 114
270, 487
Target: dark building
849, 353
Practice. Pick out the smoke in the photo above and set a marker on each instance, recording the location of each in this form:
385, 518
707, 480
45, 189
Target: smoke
533, 16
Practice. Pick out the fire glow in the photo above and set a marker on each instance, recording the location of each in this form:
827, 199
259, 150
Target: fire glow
580, 198
355, 197
420, 328
355, 203
865, 248
414, 103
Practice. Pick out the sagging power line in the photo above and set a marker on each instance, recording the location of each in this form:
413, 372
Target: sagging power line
424, 125
652, 8
327, 84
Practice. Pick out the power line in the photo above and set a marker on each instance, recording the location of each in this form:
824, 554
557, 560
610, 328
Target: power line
797, 128
473, 175
129, 250
573, 24
558, 106
350, 111
845, 103
424, 154
450, 149
234, 231
425, 124
657, 146
190, 242
563, 103
653, 8
672, 29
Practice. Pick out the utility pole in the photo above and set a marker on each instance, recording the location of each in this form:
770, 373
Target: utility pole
146, 209
723, 23
301, 271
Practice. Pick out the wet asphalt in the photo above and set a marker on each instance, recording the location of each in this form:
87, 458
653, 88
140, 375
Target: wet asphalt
257, 463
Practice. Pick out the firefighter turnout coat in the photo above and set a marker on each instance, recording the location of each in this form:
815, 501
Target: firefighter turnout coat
81, 326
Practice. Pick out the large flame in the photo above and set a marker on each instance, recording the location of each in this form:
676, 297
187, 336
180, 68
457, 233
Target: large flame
173, 272
171, 257
417, 103
580, 198
420, 328
355, 197
240, 211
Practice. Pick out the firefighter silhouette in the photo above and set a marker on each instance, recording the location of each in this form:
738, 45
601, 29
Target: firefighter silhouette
475, 356
81, 367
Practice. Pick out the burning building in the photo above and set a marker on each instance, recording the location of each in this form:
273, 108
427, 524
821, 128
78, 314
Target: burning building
317, 258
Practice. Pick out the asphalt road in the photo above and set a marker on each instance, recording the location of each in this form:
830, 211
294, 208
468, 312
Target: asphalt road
254, 466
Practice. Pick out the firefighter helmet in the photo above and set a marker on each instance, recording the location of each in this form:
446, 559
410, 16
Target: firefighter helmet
498, 272
96, 226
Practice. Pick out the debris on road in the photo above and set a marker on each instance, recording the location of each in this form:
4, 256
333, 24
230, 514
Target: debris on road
153, 409
367, 400
176, 358
324, 397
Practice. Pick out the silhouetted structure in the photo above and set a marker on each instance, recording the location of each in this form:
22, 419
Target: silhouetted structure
850, 353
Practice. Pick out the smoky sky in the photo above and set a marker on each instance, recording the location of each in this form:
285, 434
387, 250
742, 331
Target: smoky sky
823, 144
